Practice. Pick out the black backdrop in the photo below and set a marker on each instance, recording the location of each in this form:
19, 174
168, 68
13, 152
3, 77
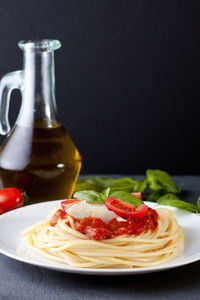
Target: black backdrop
127, 77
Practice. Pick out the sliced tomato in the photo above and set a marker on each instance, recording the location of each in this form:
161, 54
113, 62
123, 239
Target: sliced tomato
124, 209
65, 203
138, 194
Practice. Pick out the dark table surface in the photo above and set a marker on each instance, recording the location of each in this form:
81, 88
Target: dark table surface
23, 281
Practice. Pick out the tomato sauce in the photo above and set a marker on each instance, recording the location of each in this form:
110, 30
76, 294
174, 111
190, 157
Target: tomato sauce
96, 229
59, 214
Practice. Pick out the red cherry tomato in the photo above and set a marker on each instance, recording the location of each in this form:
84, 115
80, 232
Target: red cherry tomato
10, 198
138, 194
124, 209
65, 203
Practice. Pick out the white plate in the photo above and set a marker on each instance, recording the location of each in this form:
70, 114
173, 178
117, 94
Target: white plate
12, 223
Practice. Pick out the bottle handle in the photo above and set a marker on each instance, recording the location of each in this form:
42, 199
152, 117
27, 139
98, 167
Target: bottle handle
9, 82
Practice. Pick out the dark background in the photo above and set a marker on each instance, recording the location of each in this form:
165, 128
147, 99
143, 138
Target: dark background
127, 78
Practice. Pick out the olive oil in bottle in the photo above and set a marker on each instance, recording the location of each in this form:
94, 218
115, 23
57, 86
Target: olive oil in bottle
46, 167
38, 155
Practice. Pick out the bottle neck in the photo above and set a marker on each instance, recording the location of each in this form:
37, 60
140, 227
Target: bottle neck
38, 94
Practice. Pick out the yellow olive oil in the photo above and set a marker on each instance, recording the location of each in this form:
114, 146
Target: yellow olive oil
41, 160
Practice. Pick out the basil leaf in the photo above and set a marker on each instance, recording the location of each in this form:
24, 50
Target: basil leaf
83, 186
140, 185
89, 196
160, 180
168, 196
198, 204
178, 204
102, 182
154, 196
128, 185
123, 184
179, 188
127, 197
105, 193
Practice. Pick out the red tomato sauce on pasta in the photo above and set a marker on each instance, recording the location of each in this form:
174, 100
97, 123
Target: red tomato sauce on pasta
97, 229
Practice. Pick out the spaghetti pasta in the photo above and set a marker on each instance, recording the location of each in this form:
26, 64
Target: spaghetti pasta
62, 243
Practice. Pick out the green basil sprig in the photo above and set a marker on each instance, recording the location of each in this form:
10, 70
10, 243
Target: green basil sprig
106, 193
171, 199
198, 204
90, 196
160, 180
83, 186
158, 185
179, 204
154, 196
159, 196
94, 197
128, 185
101, 182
